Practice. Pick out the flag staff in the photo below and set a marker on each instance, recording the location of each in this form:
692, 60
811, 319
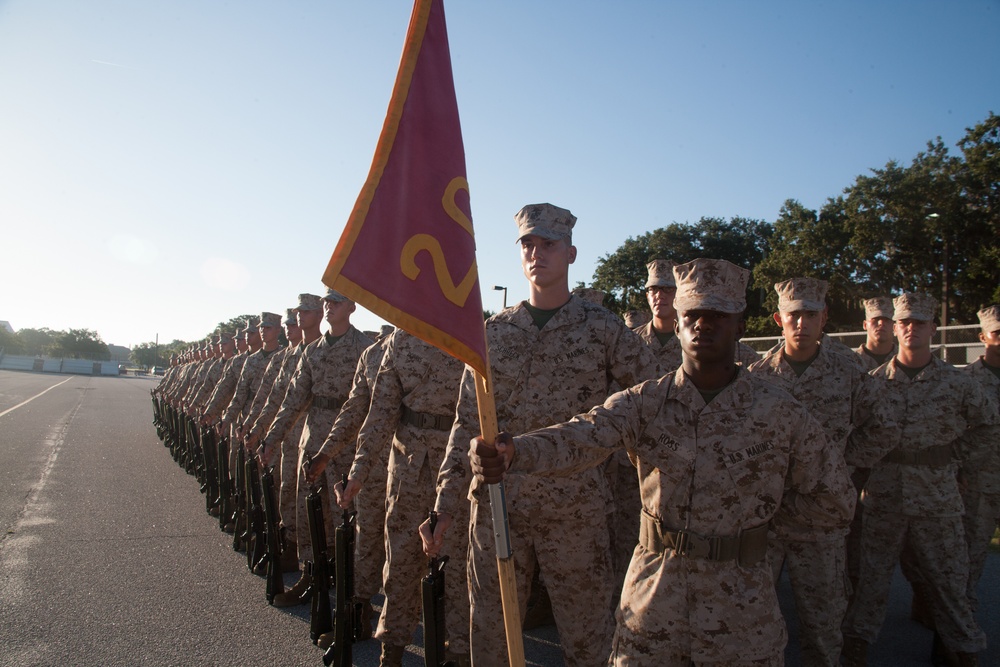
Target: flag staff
501, 530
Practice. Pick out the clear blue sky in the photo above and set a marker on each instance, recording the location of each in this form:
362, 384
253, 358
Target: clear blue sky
167, 165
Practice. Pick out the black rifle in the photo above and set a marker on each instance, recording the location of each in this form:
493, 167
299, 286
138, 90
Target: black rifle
158, 420
432, 601
225, 484
255, 515
320, 620
348, 624
173, 437
275, 583
239, 499
190, 446
209, 451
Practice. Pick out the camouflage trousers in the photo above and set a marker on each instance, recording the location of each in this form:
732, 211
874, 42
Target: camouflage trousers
369, 547
569, 542
624, 519
303, 539
939, 550
289, 482
410, 495
982, 516
668, 660
816, 571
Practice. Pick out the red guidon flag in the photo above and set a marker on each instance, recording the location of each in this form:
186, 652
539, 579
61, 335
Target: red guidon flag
408, 253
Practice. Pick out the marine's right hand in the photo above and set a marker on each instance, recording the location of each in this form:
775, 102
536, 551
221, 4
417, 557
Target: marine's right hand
434, 543
490, 462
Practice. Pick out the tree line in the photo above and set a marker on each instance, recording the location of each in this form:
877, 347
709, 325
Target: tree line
930, 226
71, 344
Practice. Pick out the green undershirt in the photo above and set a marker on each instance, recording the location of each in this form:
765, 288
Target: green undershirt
913, 372
879, 358
663, 336
539, 316
799, 366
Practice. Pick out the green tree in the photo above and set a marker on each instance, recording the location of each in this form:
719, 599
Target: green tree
622, 274
805, 242
146, 355
233, 324
80, 344
35, 342
9, 342
980, 183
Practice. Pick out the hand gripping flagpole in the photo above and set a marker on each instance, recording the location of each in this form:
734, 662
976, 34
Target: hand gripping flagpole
501, 530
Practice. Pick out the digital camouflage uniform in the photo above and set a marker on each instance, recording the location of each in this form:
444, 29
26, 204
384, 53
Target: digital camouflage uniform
859, 423
541, 377
288, 452
251, 377
194, 383
869, 361
413, 406
340, 445
220, 391
912, 499
714, 470
981, 487
320, 385
832, 344
203, 385
225, 387
267, 382
669, 355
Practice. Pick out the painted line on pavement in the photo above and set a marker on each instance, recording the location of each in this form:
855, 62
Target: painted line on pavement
33, 397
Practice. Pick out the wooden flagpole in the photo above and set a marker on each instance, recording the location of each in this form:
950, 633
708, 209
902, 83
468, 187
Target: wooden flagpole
501, 531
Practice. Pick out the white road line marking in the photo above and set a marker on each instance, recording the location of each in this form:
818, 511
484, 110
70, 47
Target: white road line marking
33, 397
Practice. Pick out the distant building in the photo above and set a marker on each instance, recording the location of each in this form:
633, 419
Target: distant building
5, 325
119, 353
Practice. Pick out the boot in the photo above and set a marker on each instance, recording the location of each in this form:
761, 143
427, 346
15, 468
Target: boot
967, 659
295, 595
919, 611
458, 659
855, 652
539, 612
325, 640
392, 656
364, 629
289, 561
940, 655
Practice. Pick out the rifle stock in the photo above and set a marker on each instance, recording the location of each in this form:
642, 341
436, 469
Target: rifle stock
255, 515
275, 583
432, 601
320, 620
209, 451
348, 612
239, 501
225, 484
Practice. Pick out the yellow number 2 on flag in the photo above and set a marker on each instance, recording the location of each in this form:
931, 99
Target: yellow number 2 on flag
457, 294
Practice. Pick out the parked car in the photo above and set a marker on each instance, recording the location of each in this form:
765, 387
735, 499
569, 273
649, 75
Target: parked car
122, 369
158, 370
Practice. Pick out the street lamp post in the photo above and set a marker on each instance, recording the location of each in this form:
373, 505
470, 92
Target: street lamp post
504, 290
